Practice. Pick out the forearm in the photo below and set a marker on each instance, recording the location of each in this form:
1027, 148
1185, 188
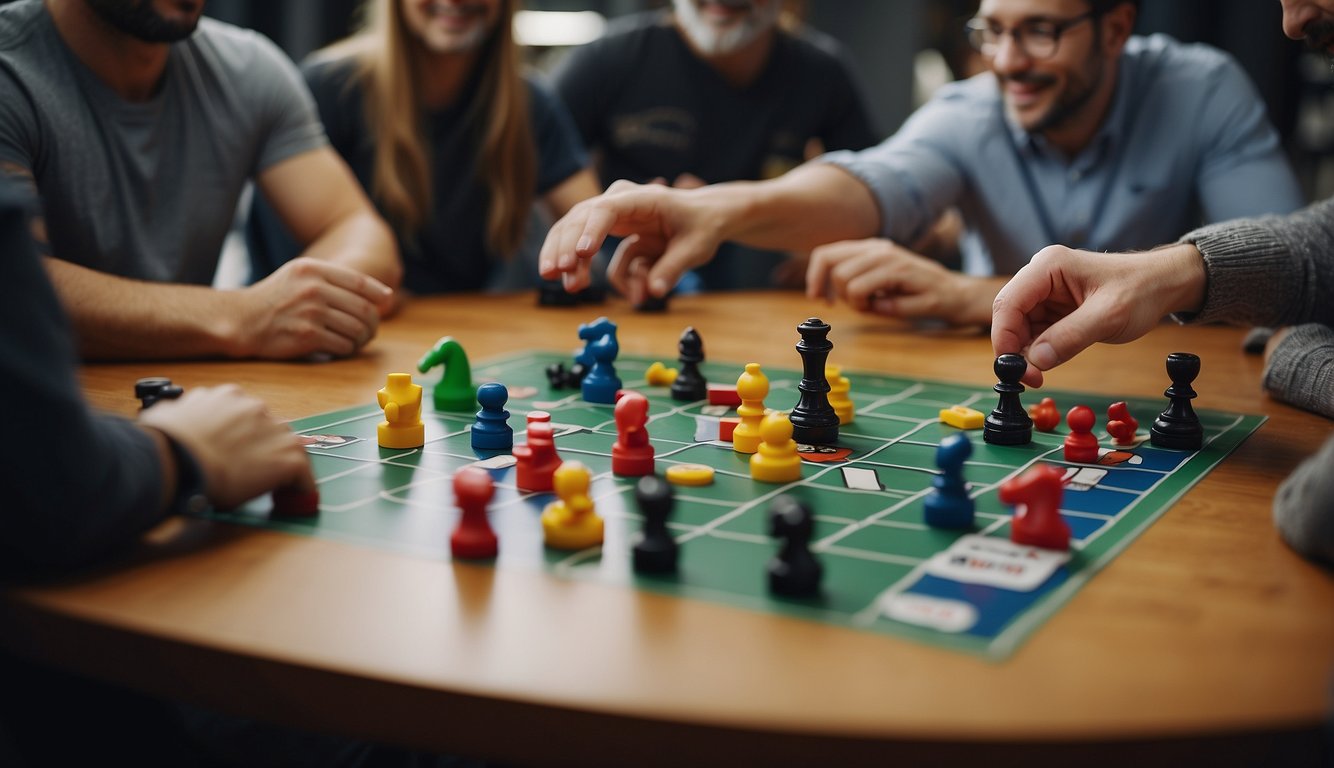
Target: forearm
1304, 506
1300, 370
810, 206
361, 241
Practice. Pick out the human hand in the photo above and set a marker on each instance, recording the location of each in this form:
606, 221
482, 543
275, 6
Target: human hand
877, 275
1065, 300
309, 306
241, 450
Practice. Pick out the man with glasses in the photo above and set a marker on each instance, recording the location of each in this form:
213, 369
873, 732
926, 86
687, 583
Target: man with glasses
1079, 134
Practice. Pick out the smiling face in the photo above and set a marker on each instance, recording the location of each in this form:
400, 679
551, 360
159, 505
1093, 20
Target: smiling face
450, 26
152, 21
719, 27
1312, 21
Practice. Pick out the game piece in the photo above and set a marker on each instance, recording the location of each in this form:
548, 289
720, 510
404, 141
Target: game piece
659, 375
631, 454
560, 378
491, 431
590, 333
294, 502
1045, 415
1178, 427
777, 460
948, 504
1120, 424
727, 427
690, 474
655, 551
814, 421
571, 522
537, 459
652, 303
690, 384
1081, 445
601, 383
473, 538
536, 416
1008, 424
794, 571
402, 403
454, 391
1037, 520
962, 417
552, 293
154, 389
839, 398
752, 387
723, 394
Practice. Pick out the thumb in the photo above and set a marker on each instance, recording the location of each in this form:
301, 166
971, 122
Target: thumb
682, 254
1068, 337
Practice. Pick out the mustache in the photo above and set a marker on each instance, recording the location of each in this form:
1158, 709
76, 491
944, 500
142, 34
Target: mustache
1319, 34
1027, 78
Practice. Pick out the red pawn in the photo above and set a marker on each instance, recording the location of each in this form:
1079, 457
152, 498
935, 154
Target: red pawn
631, 454
1044, 415
1037, 520
537, 460
473, 538
1120, 424
292, 501
1081, 447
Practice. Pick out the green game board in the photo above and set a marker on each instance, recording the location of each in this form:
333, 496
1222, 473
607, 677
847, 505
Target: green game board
969, 591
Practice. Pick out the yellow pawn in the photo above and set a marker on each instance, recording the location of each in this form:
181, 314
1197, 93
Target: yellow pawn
839, 387
571, 523
402, 404
777, 460
753, 387
659, 375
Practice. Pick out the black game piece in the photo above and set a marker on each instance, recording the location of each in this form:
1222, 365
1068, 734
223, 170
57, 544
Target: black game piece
1178, 427
814, 421
655, 552
553, 294
151, 390
561, 378
652, 304
690, 384
1009, 423
794, 571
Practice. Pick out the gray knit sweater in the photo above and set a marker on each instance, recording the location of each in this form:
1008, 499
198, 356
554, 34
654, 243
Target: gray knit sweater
1279, 271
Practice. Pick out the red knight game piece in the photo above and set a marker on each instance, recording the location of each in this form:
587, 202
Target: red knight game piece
537, 460
632, 454
1045, 416
1037, 520
1120, 424
473, 538
1081, 446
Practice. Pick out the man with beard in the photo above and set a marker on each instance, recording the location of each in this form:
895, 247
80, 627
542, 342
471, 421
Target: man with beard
711, 91
1079, 134
139, 125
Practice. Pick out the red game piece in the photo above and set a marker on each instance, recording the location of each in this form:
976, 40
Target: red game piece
1037, 520
537, 460
1120, 424
724, 394
632, 454
1044, 415
1081, 445
473, 538
726, 426
535, 416
294, 502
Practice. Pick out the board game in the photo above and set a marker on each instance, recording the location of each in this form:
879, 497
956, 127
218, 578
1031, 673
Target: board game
885, 571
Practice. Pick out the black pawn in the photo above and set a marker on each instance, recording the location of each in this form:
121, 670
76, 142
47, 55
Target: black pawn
814, 420
1008, 423
690, 384
151, 390
1178, 427
794, 571
655, 552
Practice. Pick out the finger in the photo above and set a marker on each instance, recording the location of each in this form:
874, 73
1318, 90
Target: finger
637, 281
1011, 324
870, 279
365, 286
618, 269
822, 260
682, 254
1069, 336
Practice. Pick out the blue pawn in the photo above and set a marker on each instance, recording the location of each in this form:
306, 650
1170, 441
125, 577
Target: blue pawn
948, 505
492, 431
600, 384
590, 333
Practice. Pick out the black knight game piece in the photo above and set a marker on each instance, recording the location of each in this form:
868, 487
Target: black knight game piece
1009, 423
1178, 427
814, 420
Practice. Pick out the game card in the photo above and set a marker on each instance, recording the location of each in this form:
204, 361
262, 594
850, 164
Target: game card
975, 559
326, 442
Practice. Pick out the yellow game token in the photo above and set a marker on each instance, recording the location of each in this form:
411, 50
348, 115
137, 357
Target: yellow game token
690, 474
962, 417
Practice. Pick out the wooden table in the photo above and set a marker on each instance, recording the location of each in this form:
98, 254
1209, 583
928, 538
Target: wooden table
1206, 634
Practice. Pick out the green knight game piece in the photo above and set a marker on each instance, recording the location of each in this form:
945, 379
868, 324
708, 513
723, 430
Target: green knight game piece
455, 391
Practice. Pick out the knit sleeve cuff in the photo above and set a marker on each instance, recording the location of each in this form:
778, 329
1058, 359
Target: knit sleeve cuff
1241, 258
1300, 370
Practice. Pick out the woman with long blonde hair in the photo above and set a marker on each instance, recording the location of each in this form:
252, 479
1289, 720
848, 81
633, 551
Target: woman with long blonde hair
428, 105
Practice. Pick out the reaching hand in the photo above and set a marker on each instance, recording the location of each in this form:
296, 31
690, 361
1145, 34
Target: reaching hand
241, 450
1065, 300
310, 306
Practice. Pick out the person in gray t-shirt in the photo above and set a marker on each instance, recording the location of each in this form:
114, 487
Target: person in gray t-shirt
139, 128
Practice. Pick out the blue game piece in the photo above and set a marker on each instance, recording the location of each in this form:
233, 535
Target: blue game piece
590, 333
491, 431
948, 504
601, 383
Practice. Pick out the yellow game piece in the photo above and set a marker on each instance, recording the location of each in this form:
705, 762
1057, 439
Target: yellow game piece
777, 460
402, 404
839, 387
753, 387
570, 522
690, 474
659, 375
962, 417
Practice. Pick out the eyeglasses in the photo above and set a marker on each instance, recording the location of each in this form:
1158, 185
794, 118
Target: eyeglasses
1037, 38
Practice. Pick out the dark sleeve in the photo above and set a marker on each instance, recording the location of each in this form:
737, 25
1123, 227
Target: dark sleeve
560, 153
847, 123
581, 80
75, 484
